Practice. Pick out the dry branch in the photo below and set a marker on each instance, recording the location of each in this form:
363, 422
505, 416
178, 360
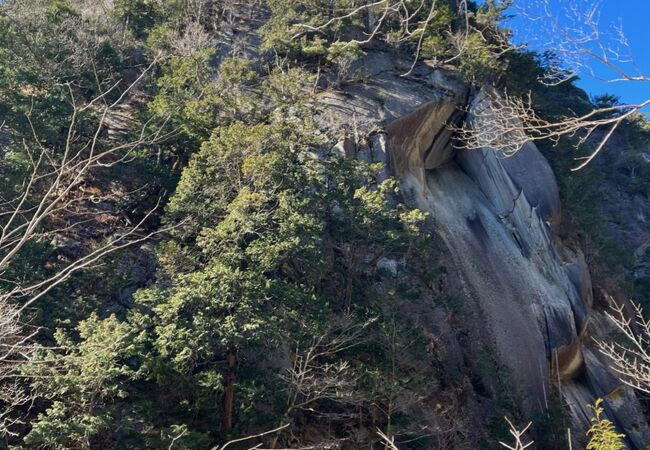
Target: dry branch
518, 435
575, 44
52, 201
506, 123
630, 358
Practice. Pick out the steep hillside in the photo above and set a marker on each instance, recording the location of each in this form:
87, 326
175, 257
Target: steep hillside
255, 224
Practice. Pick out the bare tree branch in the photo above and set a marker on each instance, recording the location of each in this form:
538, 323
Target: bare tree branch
630, 358
569, 33
520, 443
51, 200
506, 123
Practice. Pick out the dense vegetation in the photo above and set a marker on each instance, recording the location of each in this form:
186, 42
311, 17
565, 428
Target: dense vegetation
280, 283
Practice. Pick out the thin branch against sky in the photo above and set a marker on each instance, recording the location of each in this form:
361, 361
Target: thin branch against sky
620, 36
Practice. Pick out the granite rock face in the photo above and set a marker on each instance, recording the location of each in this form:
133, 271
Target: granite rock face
498, 218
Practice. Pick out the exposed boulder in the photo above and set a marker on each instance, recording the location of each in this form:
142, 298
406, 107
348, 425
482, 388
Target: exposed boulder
490, 262
136, 267
525, 171
530, 172
567, 361
578, 272
345, 148
67, 246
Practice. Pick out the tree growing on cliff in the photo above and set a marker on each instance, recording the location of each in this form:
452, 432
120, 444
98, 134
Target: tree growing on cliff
444, 32
81, 381
603, 435
47, 198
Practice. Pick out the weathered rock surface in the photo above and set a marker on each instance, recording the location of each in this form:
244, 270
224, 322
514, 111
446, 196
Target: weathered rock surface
360, 110
496, 215
420, 140
498, 218
486, 253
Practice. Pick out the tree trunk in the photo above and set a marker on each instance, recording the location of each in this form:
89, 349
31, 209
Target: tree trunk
229, 397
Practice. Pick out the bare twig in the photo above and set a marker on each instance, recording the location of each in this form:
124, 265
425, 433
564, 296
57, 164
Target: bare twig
569, 33
630, 359
520, 443
506, 123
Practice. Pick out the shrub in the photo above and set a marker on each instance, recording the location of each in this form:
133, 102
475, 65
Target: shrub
603, 435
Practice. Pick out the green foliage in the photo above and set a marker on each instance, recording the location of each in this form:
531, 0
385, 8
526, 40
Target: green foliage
602, 434
248, 197
190, 100
140, 15
82, 382
206, 313
277, 242
343, 55
53, 43
477, 63
309, 29
435, 43
288, 17
552, 102
186, 96
397, 374
274, 236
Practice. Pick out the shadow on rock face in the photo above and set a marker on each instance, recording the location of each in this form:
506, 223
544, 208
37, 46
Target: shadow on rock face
498, 218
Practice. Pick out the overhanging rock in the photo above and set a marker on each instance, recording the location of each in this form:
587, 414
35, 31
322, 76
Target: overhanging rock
421, 140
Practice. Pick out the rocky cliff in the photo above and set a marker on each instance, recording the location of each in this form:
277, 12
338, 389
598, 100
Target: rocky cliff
530, 294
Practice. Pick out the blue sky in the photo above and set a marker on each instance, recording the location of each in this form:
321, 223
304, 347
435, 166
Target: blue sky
635, 18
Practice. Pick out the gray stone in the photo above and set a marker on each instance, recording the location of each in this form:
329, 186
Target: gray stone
344, 149
68, 246
531, 173
378, 147
497, 219
501, 242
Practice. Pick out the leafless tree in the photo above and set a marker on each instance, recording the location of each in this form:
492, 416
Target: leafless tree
314, 376
53, 187
193, 37
518, 436
630, 357
570, 32
16, 349
506, 123
77, 38
251, 437
388, 441
382, 10
580, 43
